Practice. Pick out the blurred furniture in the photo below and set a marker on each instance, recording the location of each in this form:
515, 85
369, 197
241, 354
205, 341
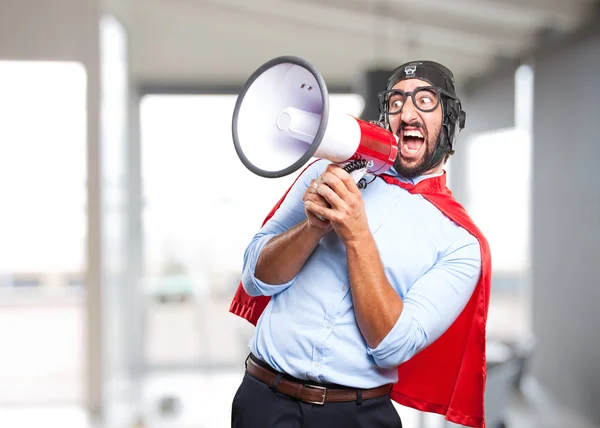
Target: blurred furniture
507, 362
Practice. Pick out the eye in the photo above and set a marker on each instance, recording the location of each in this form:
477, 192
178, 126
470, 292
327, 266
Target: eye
395, 103
426, 98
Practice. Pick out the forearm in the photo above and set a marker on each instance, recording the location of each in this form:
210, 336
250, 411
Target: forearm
283, 256
377, 306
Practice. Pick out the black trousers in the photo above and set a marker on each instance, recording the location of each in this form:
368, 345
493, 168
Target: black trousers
256, 405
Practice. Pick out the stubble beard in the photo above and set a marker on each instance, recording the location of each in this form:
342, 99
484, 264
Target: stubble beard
424, 163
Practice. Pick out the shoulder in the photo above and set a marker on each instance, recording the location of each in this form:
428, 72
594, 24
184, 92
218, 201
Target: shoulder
462, 238
465, 239
453, 227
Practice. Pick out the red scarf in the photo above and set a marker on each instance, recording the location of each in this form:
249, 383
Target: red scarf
447, 377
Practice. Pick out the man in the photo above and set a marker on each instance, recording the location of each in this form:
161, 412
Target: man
360, 296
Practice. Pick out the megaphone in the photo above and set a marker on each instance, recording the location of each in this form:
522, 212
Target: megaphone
282, 119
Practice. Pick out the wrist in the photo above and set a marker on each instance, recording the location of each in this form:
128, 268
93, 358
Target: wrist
315, 231
358, 241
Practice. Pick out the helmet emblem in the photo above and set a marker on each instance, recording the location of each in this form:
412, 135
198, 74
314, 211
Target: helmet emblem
410, 70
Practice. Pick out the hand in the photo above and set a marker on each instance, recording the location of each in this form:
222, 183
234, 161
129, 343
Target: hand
339, 201
311, 196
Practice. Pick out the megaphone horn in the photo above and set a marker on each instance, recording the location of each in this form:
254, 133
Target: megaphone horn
282, 119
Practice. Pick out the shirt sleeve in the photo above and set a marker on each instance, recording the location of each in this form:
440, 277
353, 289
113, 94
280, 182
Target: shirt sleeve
290, 213
432, 304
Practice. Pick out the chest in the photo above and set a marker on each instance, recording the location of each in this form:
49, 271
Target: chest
411, 234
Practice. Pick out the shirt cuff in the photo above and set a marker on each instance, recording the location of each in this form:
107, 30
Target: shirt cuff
400, 344
254, 286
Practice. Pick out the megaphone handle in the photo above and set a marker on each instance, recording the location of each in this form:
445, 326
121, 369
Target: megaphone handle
357, 169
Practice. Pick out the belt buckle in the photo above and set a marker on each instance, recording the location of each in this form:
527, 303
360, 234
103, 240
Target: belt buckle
320, 388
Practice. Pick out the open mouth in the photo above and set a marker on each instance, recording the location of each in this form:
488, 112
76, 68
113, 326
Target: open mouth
412, 143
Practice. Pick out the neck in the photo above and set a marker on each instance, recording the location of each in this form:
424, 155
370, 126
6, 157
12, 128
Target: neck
435, 170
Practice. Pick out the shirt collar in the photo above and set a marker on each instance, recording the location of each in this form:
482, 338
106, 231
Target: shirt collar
416, 180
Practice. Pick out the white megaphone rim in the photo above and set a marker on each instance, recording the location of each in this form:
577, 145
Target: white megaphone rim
322, 125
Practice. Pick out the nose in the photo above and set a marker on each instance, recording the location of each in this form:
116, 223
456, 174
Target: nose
409, 111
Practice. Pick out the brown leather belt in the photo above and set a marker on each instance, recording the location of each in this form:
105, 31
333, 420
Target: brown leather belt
312, 393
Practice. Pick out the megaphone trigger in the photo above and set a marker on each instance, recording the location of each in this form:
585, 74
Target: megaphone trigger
356, 168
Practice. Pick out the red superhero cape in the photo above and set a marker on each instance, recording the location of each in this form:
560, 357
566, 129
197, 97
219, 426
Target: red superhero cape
447, 377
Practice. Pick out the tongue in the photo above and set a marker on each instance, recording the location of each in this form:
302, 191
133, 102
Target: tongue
413, 143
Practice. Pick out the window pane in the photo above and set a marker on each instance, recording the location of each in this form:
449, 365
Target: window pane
499, 198
42, 192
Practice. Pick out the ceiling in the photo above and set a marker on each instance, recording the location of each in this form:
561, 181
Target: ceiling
201, 43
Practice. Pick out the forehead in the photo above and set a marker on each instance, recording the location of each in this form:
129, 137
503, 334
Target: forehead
410, 84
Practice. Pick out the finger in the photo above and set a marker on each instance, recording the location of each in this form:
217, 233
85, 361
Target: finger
312, 189
320, 201
330, 195
332, 179
313, 195
346, 179
332, 167
317, 220
320, 211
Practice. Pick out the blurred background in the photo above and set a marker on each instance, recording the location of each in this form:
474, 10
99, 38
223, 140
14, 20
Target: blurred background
125, 210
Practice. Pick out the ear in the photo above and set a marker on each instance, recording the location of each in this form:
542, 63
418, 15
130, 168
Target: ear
462, 117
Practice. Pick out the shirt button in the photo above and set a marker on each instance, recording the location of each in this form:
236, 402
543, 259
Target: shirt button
316, 364
344, 288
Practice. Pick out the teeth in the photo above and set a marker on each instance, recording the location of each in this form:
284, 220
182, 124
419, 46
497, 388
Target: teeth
413, 133
411, 151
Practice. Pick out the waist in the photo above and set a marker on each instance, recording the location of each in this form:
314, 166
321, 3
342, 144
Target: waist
347, 363
310, 392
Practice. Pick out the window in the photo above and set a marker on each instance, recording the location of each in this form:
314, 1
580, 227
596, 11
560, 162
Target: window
42, 192
499, 193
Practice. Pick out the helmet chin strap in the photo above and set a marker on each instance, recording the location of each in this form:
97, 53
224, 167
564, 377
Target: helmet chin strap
437, 157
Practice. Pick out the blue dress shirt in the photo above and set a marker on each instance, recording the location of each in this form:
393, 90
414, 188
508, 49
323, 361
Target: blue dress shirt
309, 331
